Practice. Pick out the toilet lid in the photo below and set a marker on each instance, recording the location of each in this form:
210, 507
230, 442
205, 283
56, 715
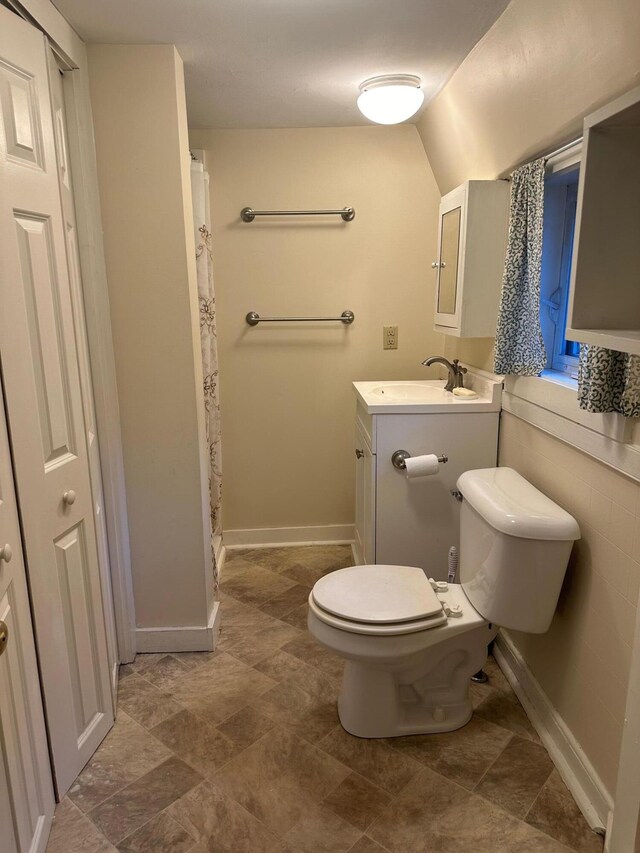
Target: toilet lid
377, 594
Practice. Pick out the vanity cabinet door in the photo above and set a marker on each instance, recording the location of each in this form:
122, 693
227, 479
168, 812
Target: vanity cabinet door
448, 264
365, 500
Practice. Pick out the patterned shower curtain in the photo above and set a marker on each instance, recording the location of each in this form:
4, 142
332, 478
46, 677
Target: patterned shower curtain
207, 302
519, 343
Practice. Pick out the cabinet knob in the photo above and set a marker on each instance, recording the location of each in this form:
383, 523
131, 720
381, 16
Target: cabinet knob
435, 265
6, 553
69, 497
359, 453
4, 636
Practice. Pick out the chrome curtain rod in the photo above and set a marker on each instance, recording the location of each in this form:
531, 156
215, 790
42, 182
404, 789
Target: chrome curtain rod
562, 149
347, 317
248, 214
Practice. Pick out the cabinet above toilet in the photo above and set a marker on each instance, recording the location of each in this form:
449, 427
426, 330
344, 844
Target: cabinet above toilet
472, 242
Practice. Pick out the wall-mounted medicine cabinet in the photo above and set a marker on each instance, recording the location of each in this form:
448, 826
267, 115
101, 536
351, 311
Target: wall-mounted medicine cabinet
472, 242
604, 305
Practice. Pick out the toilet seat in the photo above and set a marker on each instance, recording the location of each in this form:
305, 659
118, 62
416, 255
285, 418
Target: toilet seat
377, 600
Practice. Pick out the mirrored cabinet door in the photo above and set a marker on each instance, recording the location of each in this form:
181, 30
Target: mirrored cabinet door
448, 263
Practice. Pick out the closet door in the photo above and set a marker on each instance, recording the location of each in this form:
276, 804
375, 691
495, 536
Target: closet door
38, 349
88, 407
26, 791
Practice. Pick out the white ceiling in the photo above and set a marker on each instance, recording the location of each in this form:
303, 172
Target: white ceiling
291, 63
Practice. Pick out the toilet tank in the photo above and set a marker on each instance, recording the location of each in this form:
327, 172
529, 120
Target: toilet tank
514, 548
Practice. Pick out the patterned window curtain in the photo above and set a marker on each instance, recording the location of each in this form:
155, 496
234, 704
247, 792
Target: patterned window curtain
519, 343
609, 381
208, 343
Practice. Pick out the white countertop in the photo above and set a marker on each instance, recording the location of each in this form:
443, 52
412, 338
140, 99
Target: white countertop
418, 397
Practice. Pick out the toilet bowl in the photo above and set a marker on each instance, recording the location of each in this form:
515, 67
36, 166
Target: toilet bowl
411, 644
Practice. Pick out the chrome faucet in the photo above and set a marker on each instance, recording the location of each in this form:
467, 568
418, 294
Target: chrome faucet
456, 373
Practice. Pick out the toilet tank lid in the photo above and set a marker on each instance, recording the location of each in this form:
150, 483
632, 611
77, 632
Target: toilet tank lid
510, 504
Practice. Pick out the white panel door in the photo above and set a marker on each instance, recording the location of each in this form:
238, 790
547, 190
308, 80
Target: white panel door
26, 790
39, 356
73, 262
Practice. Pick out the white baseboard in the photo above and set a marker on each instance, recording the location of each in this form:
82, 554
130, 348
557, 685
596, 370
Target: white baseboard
274, 536
187, 638
594, 800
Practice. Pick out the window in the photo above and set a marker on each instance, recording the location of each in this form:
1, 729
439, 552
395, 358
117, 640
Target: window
561, 190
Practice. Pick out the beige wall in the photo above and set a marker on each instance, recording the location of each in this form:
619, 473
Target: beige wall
527, 85
523, 90
138, 101
583, 661
288, 410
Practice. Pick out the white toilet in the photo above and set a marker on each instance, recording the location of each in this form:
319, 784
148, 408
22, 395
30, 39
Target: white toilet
411, 644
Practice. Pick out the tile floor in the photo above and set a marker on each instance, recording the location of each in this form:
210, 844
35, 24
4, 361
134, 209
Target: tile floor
240, 751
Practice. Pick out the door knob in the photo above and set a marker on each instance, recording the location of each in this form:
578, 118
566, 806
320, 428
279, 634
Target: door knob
359, 453
6, 553
4, 636
69, 497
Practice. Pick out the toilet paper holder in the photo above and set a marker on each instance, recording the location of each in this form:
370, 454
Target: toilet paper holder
399, 459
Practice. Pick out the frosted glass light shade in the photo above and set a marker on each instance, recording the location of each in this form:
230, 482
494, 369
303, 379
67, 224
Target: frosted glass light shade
390, 99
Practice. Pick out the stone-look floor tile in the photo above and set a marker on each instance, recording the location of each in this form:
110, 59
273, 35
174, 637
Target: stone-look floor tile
144, 702
409, 821
320, 831
556, 813
479, 692
246, 727
434, 815
517, 776
135, 805
218, 689
192, 660
304, 574
373, 759
463, 755
275, 559
357, 801
219, 824
528, 840
367, 845
497, 679
308, 650
255, 585
305, 705
256, 645
280, 777
161, 834
165, 672
145, 660
195, 741
281, 665
297, 617
126, 753
286, 601
72, 832
505, 710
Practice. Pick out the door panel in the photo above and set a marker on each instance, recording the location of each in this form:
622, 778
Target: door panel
84, 364
26, 790
39, 352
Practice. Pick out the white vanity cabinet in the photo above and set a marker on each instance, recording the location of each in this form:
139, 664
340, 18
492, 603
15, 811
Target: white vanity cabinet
414, 522
472, 242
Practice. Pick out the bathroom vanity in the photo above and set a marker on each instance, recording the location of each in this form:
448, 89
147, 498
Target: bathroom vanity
414, 522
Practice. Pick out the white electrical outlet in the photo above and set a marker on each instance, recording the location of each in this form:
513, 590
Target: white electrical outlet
389, 337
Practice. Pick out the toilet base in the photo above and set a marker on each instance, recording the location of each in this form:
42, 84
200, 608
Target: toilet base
423, 695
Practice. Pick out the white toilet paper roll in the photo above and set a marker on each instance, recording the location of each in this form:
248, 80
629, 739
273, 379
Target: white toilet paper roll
422, 466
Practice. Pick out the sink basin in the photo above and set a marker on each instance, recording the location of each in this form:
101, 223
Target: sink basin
428, 396
411, 392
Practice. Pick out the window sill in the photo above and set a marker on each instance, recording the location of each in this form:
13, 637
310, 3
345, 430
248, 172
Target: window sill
550, 403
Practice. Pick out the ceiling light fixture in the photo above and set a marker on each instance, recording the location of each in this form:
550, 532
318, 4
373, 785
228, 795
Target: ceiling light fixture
390, 98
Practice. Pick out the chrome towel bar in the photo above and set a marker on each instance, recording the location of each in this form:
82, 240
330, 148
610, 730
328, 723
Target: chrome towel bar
248, 214
347, 317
